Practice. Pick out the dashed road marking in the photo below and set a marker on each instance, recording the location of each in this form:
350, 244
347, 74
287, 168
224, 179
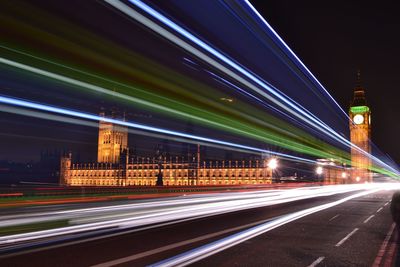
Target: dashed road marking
334, 217
379, 210
346, 237
316, 262
369, 218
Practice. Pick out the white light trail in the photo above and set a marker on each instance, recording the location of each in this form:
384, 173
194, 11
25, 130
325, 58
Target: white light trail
155, 212
299, 111
294, 55
207, 250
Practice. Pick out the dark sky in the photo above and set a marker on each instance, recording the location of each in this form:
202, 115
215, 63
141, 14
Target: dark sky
334, 39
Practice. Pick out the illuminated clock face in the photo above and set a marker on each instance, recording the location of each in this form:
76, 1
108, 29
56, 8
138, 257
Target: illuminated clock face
358, 119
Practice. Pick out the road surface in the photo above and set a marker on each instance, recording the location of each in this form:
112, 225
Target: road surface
356, 232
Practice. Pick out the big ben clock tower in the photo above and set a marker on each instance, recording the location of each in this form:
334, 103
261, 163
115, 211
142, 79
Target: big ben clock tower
360, 134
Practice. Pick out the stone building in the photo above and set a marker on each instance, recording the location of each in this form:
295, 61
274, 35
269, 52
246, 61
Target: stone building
115, 167
332, 172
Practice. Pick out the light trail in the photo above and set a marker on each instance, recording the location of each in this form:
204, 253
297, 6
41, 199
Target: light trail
294, 55
135, 15
176, 110
212, 119
244, 92
154, 212
127, 10
207, 250
303, 114
259, 100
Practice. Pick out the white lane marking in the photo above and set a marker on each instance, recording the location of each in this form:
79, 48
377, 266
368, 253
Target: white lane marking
346, 237
386, 204
369, 218
382, 249
175, 245
379, 210
316, 262
334, 217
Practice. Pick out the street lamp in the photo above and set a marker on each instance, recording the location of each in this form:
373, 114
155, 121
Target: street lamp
272, 164
319, 171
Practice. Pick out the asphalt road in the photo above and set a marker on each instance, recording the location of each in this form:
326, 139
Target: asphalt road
348, 234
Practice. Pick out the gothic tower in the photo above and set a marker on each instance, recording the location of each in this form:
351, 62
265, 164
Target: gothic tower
360, 134
65, 169
113, 140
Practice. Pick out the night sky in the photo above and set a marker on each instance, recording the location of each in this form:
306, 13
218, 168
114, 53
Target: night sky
334, 39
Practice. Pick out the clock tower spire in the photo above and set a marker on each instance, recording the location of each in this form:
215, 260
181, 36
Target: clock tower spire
360, 134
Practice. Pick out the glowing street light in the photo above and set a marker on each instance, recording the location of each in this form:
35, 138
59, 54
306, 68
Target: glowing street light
272, 164
319, 171
344, 174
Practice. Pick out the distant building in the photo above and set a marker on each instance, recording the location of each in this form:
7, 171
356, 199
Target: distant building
115, 167
360, 135
331, 171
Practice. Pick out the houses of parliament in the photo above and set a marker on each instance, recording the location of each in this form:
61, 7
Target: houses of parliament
115, 167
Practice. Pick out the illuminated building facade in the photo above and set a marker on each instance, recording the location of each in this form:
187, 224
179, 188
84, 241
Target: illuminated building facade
331, 171
112, 140
360, 134
115, 167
